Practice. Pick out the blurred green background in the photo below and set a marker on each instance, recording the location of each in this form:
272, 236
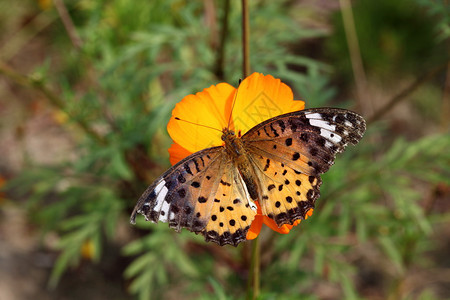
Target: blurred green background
86, 90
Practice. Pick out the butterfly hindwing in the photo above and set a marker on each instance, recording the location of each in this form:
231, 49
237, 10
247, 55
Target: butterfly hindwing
286, 194
200, 193
289, 152
232, 211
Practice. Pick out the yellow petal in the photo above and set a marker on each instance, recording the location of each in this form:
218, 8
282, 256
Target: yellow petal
260, 98
211, 107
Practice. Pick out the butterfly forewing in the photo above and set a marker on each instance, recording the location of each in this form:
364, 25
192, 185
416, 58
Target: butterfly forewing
178, 195
289, 153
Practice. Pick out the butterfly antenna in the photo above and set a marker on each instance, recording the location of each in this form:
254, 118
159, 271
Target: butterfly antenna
206, 126
234, 101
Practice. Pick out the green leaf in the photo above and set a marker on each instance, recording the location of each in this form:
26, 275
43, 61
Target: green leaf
393, 252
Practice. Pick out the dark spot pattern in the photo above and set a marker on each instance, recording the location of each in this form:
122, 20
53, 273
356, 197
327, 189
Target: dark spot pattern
181, 178
289, 199
304, 137
277, 204
288, 141
197, 226
214, 217
232, 222
274, 130
296, 156
195, 184
182, 193
321, 142
298, 182
267, 165
202, 199
225, 183
196, 165
170, 184
282, 126
187, 169
271, 186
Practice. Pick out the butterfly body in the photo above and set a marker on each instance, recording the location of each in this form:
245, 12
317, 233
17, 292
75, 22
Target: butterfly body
236, 149
276, 164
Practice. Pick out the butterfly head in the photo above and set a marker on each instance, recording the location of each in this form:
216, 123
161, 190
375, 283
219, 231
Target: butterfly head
233, 144
227, 134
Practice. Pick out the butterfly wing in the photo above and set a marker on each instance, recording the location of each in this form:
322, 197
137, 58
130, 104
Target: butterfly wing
289, 152
203, 193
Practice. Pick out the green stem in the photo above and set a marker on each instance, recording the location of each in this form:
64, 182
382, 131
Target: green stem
253, 284
405, 92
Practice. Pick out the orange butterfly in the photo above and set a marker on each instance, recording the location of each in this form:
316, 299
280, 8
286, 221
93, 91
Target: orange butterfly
274, 167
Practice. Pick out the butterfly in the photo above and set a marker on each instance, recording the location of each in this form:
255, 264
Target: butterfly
277, 163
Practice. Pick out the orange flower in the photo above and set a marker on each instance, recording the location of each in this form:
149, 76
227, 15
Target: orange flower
257, 99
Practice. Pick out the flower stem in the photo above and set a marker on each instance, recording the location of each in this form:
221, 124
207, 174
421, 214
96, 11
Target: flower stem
253, 282
220, 59
245, 39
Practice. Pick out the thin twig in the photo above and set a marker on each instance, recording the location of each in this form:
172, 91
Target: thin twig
26, 34
404, 93
68, 24
355, 54
220, 59
29, 82
245, 39
255, 260
445, 114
